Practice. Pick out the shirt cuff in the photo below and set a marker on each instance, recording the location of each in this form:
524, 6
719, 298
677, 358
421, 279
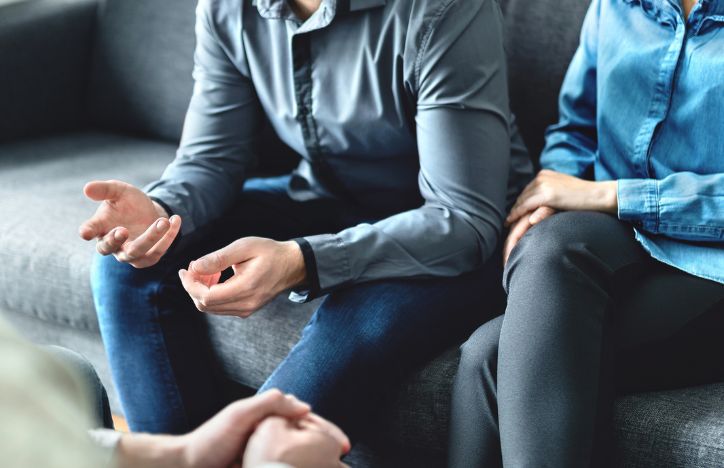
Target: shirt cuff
638, 201
332, 266
163, 204
311, 291
172, 204
106, 440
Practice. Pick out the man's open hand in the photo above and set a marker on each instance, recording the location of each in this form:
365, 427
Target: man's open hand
263, 268
128, 224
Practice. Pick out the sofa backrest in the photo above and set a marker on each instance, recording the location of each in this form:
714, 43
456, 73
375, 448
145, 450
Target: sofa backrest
141, 80
542, 36
141, 77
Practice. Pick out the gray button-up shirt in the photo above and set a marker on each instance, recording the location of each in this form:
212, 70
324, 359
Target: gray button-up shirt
397, 106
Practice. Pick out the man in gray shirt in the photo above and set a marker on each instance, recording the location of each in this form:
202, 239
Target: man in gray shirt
398, 112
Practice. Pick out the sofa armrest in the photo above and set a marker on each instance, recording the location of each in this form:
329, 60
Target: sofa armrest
45, 50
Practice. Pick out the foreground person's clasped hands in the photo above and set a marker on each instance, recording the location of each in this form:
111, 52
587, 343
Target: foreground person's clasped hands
269, 428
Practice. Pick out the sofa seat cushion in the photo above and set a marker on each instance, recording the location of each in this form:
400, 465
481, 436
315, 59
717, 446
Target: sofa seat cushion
682, 427
45, 265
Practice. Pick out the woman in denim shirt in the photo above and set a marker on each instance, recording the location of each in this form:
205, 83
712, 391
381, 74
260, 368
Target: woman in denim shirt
615, 258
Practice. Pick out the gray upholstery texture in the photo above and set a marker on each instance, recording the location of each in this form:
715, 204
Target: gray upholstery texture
676, 428
138, 56
44, 59
142, 63
541, 37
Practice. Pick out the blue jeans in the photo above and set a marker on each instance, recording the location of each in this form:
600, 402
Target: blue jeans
360, 342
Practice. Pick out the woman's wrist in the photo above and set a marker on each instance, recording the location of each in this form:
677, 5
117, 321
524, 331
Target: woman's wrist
606, 196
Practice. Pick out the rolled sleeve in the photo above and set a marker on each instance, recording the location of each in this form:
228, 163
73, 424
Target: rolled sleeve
638, 202
683, 205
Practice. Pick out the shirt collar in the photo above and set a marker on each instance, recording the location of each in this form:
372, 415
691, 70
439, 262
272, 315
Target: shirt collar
279, 9
713, 7
708, 7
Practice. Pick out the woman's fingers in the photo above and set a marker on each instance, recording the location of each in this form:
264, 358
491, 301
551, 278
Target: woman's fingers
540, 214
519, 229
525, 205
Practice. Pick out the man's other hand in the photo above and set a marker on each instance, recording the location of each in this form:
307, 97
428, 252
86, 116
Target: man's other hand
263, 268
128, 224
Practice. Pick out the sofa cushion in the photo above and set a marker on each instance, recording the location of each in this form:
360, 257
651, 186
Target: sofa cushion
141, 78
683, 427
45, 265
541, 38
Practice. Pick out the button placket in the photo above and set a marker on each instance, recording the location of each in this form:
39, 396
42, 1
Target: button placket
661, 101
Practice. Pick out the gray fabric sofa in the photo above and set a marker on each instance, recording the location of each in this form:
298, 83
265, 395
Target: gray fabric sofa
95, 90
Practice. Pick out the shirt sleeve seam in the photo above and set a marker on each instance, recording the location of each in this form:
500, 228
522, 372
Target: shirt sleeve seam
427, 38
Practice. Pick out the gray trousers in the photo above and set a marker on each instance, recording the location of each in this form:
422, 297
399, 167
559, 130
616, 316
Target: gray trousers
590, 315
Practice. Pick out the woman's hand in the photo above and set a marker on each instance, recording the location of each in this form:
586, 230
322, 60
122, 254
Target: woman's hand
551, 192
521, 226
563, 192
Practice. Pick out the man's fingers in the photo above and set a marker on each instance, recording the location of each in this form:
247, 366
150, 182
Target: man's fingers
92, 229
195, 289
110, 190
145, 242
163, 245
241, 309
218, 261
113, 241
208, 280
232, 290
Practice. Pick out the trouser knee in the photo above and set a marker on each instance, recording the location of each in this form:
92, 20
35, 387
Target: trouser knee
480, 352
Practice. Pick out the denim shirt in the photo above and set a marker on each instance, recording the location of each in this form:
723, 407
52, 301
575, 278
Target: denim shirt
643, 103
400, 106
